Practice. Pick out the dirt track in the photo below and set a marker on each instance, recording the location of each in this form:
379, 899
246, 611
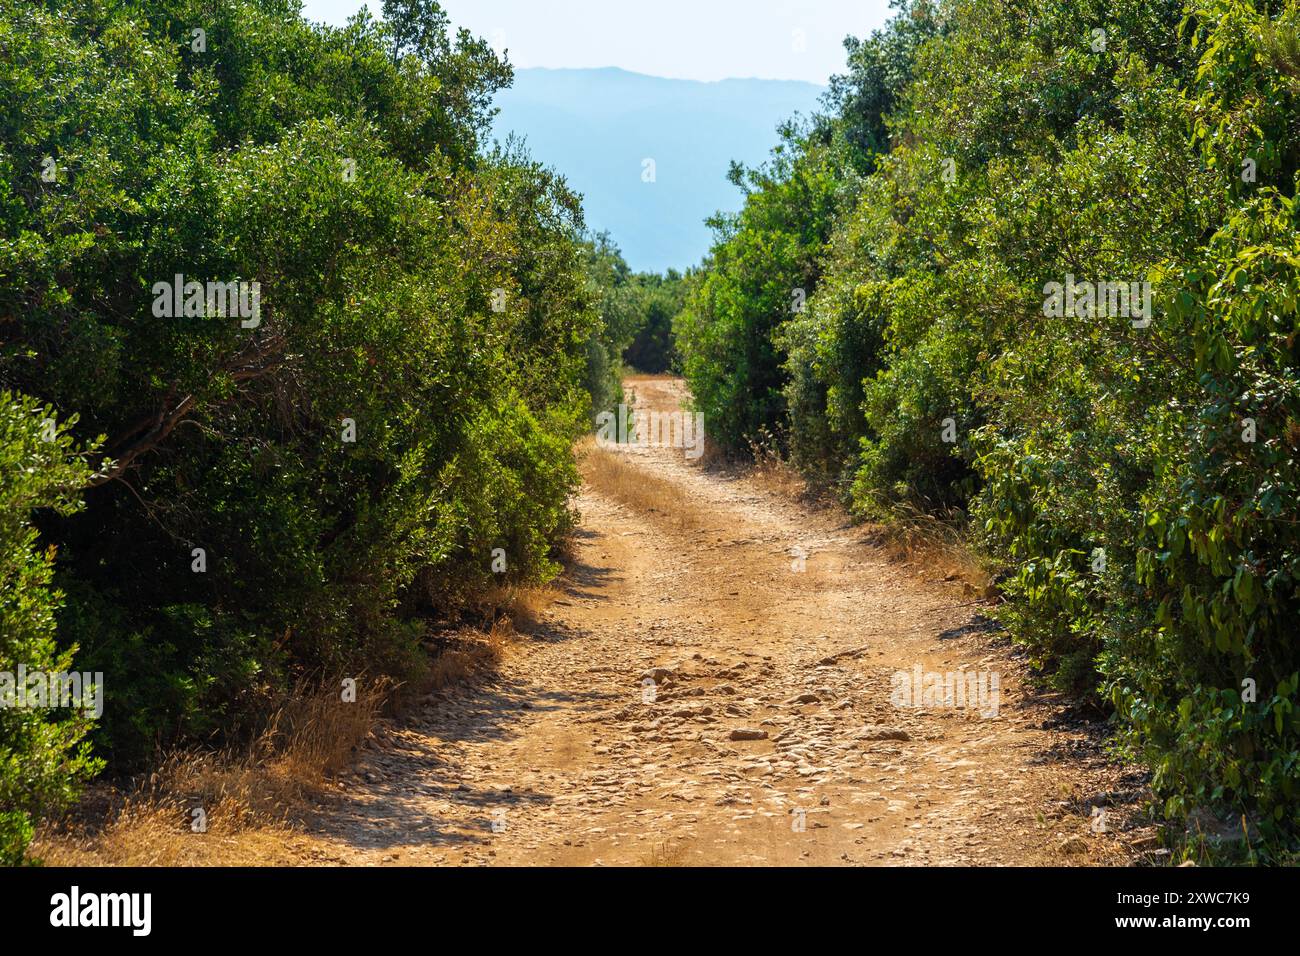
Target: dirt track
567, 757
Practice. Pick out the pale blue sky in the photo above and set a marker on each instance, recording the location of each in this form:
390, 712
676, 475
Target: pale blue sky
686, 39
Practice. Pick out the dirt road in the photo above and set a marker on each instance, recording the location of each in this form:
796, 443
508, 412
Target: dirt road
755, 617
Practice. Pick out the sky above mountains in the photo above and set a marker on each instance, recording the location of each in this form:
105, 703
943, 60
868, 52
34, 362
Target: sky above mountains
686, 39
649, 155
602, 86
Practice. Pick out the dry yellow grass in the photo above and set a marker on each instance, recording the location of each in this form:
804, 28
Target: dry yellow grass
774, 474
522, 606
253, 799
191, 809
916, 538
473, 654
612, 474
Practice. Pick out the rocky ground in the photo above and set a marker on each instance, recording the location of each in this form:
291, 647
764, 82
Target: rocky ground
712, 685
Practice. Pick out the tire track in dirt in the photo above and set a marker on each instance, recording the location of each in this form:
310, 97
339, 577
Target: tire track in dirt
565, 757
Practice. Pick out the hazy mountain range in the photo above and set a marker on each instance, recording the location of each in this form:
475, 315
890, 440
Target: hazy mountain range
598, 126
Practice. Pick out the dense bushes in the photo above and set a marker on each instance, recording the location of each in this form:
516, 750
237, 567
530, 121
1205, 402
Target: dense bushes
293, 491
760, 272
42, 753
658, 299
614, 288
1130, 470
1211, 689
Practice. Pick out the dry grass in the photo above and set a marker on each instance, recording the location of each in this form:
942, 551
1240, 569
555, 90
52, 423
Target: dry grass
612, 474
523, 606
713, 456
665, 853
248, 798
773, 473
915, 537
254, 798
473, 654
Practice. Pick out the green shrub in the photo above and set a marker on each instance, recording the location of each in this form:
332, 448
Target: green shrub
299, 495
760, 273
43, 754
1211, 692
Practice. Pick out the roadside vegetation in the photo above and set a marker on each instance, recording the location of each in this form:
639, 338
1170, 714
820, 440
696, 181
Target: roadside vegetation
211, 507
901, 309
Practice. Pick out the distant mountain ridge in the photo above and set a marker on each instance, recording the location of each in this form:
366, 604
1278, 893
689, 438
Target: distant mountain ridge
597, 126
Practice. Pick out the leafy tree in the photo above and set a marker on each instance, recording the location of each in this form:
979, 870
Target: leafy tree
764, 264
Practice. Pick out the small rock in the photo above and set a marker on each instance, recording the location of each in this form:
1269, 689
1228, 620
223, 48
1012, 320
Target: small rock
747, 733
881, 732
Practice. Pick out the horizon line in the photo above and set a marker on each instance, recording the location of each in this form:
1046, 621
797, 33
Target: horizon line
675, 79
